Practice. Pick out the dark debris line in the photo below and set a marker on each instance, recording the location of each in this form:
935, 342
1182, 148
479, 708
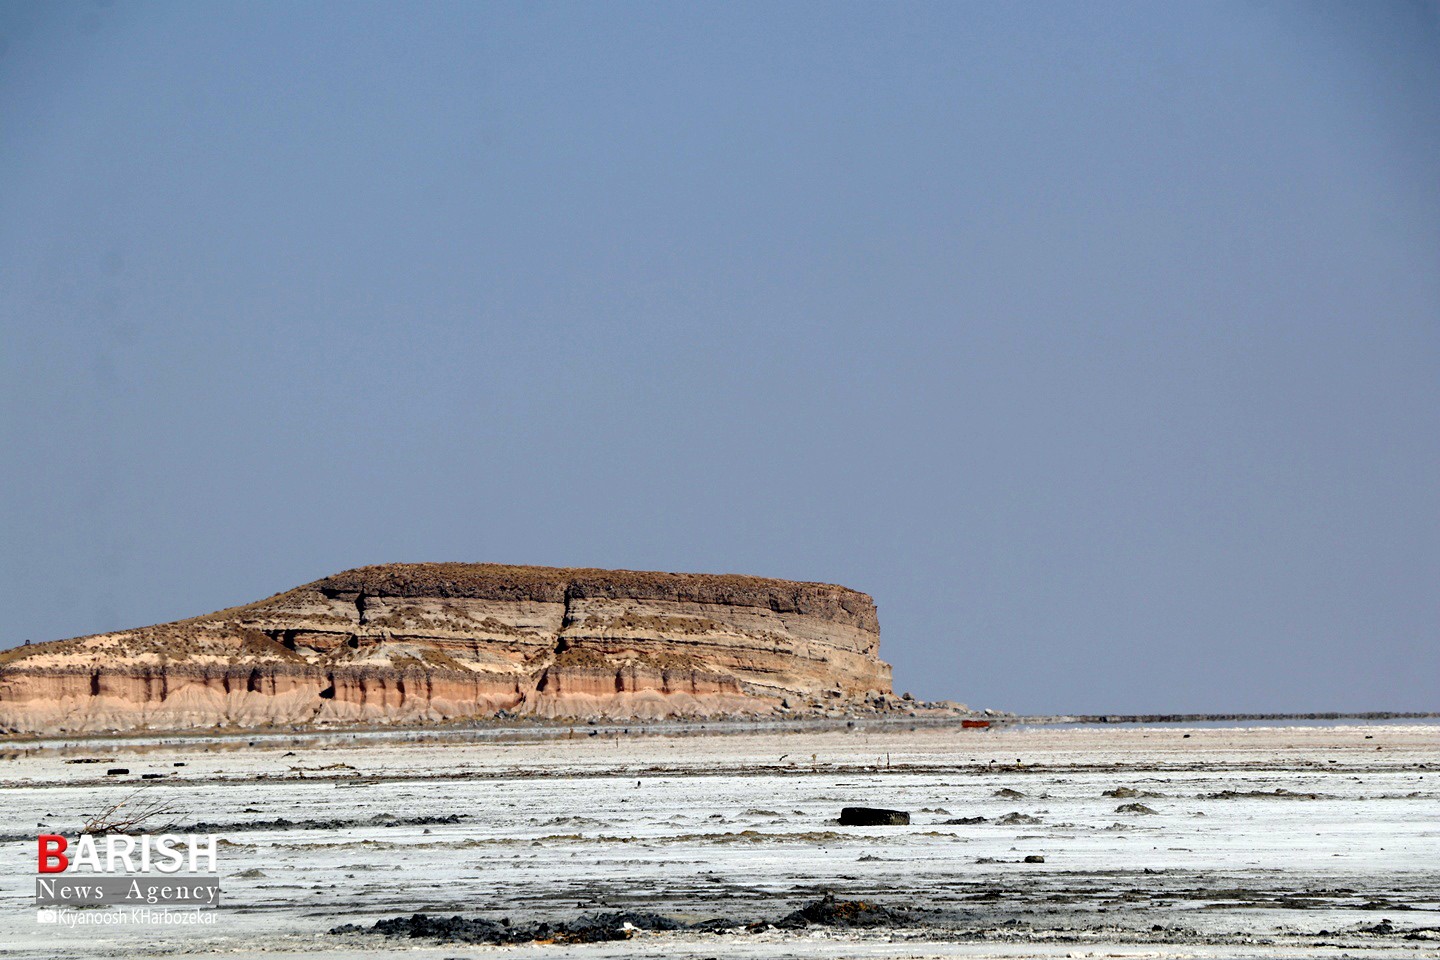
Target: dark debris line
597, 927
280, 823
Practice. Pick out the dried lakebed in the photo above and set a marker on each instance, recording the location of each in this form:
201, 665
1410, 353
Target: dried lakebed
1268, 842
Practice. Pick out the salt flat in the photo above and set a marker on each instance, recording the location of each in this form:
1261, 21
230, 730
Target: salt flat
1262, 841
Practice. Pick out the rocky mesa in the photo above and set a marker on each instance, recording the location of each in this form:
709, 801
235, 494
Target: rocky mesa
410, 643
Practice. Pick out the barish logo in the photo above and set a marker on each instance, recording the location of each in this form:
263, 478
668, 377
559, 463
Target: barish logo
162, 853
124, 870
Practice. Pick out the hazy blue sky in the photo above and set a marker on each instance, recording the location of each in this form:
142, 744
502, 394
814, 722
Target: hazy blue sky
1100, 343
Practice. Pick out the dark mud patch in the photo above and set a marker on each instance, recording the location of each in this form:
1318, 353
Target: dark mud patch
600, 927
592, 928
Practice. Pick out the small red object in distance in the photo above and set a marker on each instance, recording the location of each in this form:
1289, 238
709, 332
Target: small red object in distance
974, 724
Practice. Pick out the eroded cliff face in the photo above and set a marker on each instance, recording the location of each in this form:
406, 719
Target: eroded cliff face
429, 642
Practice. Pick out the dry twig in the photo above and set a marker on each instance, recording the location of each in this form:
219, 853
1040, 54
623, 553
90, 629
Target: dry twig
131, 814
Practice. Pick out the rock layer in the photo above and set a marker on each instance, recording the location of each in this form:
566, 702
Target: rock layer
437, 641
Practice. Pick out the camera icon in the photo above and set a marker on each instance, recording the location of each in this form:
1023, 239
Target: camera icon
47, 916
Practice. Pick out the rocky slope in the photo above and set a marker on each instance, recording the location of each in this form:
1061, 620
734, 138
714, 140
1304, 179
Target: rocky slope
434, 641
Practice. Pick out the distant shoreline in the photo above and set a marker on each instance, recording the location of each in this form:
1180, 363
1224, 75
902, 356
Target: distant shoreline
538, 729
1219, 717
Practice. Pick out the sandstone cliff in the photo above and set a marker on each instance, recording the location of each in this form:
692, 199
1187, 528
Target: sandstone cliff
435, 641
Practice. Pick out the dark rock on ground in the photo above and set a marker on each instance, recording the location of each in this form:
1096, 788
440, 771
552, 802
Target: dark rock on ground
1126, 793
961, 821
873, 817
829, 912
717, 925
1034, 858
617, 925
1017, 817
451, 929
1133, 808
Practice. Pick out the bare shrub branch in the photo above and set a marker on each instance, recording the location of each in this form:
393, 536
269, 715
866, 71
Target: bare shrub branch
132, 814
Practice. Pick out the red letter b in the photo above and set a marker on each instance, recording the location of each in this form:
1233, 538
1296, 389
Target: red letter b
52, 848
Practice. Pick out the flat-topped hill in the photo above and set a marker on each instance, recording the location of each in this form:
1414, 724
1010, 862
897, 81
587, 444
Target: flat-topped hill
432, 641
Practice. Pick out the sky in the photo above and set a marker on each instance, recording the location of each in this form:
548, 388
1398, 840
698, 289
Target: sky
1099, 343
